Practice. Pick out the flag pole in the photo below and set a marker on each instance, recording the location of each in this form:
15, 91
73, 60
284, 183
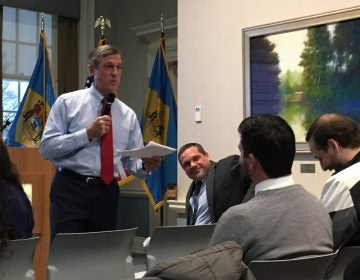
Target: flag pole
42, 23
162, 38
102, 23
155, 127
162, 34
162, 25
42, 28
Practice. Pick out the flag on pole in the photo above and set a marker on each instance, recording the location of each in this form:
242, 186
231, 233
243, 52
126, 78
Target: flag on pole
28, 125
159, 124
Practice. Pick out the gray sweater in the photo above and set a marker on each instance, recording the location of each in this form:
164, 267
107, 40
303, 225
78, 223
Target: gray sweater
277, 224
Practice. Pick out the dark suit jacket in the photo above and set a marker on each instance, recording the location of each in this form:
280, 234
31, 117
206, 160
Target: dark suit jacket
226, 186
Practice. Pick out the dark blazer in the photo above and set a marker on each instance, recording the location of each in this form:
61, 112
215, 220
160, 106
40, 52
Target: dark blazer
226, 186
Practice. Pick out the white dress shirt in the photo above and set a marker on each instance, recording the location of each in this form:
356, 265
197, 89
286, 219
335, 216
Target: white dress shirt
274, 183
65, 141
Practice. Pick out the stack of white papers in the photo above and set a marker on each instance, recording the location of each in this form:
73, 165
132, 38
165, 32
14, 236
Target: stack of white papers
151, 149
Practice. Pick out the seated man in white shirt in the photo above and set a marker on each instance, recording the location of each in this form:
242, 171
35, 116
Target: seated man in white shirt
334, 140
283, 220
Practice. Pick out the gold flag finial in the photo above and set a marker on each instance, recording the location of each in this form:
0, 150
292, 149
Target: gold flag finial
102, 22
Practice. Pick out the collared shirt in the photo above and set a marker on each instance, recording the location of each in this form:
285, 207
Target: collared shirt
354, 160
65, 141
202, 212
274, 183
336, 194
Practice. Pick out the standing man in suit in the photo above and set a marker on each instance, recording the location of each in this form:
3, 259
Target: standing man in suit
335, 141
216, 186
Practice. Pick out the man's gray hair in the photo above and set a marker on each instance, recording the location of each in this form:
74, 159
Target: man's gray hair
101, 52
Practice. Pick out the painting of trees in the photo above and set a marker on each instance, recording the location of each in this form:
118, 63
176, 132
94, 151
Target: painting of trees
331, 70
323, 77
264, 76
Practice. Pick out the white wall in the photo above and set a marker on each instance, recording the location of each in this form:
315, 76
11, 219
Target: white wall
210, 71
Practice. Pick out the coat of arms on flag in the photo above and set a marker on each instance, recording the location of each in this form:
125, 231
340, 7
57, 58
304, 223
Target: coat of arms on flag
159, 124
28, 125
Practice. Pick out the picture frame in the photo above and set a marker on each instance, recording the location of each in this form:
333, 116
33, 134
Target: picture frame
301, 68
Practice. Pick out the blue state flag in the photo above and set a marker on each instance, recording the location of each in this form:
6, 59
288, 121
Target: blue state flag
28, 125
159, 124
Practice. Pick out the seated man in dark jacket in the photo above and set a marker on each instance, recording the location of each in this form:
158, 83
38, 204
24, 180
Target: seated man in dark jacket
216, 186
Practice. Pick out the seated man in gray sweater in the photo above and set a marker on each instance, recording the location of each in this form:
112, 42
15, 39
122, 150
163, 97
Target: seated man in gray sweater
283, 220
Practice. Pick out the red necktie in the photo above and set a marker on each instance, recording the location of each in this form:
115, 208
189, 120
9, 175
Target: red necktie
107, 155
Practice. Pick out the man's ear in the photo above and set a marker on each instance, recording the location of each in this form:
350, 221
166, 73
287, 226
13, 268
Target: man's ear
251, 161
91, 69
333, 145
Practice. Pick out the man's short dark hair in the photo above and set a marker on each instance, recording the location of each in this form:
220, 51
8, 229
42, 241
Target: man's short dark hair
342, 129
271, 140
188, 145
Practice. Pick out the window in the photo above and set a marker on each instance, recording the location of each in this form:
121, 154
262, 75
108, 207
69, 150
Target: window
20, 43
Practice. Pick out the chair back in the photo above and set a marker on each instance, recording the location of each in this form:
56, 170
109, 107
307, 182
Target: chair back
308, 267
176, 241
92, 255
345, 256
16, 260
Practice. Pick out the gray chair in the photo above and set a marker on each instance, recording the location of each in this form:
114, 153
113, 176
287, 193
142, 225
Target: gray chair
104, 255
345, 256
308, 267
176, 241
16, 260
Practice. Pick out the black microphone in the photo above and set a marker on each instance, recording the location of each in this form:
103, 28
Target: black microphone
109, 101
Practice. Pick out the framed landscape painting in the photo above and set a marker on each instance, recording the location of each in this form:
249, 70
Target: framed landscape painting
302, 68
